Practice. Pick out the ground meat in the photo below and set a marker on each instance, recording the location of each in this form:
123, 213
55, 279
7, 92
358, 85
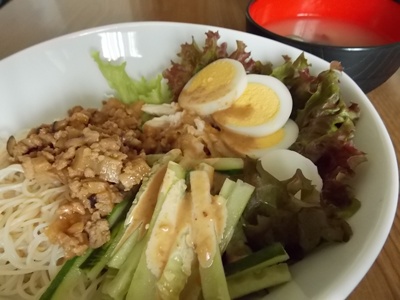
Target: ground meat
133, 173
94, 153
73, 244
99, 154
197, 138
98, 233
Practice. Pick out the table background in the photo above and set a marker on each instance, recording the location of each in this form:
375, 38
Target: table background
24, 23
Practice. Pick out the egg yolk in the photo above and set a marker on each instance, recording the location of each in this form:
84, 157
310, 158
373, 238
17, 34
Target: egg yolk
256, 106
212, 81
244, 144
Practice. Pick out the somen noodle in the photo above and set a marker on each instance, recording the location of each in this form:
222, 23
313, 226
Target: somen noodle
28, 261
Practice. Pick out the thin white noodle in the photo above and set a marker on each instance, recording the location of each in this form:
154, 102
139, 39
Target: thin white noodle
28, 261
8, 187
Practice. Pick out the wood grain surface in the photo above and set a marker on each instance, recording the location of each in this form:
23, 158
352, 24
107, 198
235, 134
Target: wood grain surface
24, 23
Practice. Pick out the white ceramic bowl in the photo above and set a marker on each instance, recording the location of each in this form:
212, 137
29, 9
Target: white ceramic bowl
42, 82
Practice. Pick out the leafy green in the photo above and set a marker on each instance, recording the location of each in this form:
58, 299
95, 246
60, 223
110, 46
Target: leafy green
327, 126
290, 212
296, 76
128, 90
289, 70
277, 211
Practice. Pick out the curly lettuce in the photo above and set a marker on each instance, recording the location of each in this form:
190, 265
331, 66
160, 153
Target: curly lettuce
289, 212
327, 126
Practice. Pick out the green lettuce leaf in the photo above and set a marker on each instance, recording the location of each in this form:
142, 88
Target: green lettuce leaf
128, 90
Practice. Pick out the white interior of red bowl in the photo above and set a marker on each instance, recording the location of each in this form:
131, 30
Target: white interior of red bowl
39, 84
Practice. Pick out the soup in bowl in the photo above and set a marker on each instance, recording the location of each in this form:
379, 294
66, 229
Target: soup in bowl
363, 36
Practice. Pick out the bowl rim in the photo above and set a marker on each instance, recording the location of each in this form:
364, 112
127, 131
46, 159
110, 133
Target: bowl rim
299, 44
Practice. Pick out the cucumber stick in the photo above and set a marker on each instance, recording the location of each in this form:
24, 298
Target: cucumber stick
66, 278
260, 270
99, 258
265, 257
225, 163
143, 283
119, 257
118, 286
129, 246
192, 289
143, 205
119, 212
178, 267
236, 203
227, 188
213, 282
250, 281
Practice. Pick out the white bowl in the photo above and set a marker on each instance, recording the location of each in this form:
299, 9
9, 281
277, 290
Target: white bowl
40, 83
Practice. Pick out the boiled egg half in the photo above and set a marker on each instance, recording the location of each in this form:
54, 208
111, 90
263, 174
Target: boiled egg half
252, 111
214, 88
262, 109
256, 147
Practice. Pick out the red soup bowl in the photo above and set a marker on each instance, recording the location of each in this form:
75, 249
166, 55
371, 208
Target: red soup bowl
363, 35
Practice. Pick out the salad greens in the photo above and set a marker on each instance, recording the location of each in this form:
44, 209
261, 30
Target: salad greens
289, 212
326, 125
269, 222
128, 90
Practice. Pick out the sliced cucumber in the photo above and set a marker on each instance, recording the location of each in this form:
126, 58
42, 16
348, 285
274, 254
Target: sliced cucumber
237, 201
119, 257
265, 257
99, 258
227, 188
118, 286
250, 281
66, 278
225, 163
143, 283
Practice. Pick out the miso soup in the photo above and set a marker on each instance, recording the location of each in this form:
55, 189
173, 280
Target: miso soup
327, 32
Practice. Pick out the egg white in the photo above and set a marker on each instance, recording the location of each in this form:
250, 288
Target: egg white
247, 122
283, 163
214, 88
245, 145
291, 132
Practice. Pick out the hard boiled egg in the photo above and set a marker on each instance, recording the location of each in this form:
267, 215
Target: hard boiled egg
262, 109
214, 88
283, 163
256, 147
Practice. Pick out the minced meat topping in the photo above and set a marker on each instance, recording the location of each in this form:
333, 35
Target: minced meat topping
99, 155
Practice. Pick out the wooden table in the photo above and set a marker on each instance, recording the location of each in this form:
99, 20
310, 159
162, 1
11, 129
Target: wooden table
24, 23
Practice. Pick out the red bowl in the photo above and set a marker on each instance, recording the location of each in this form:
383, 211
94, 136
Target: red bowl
363, 35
